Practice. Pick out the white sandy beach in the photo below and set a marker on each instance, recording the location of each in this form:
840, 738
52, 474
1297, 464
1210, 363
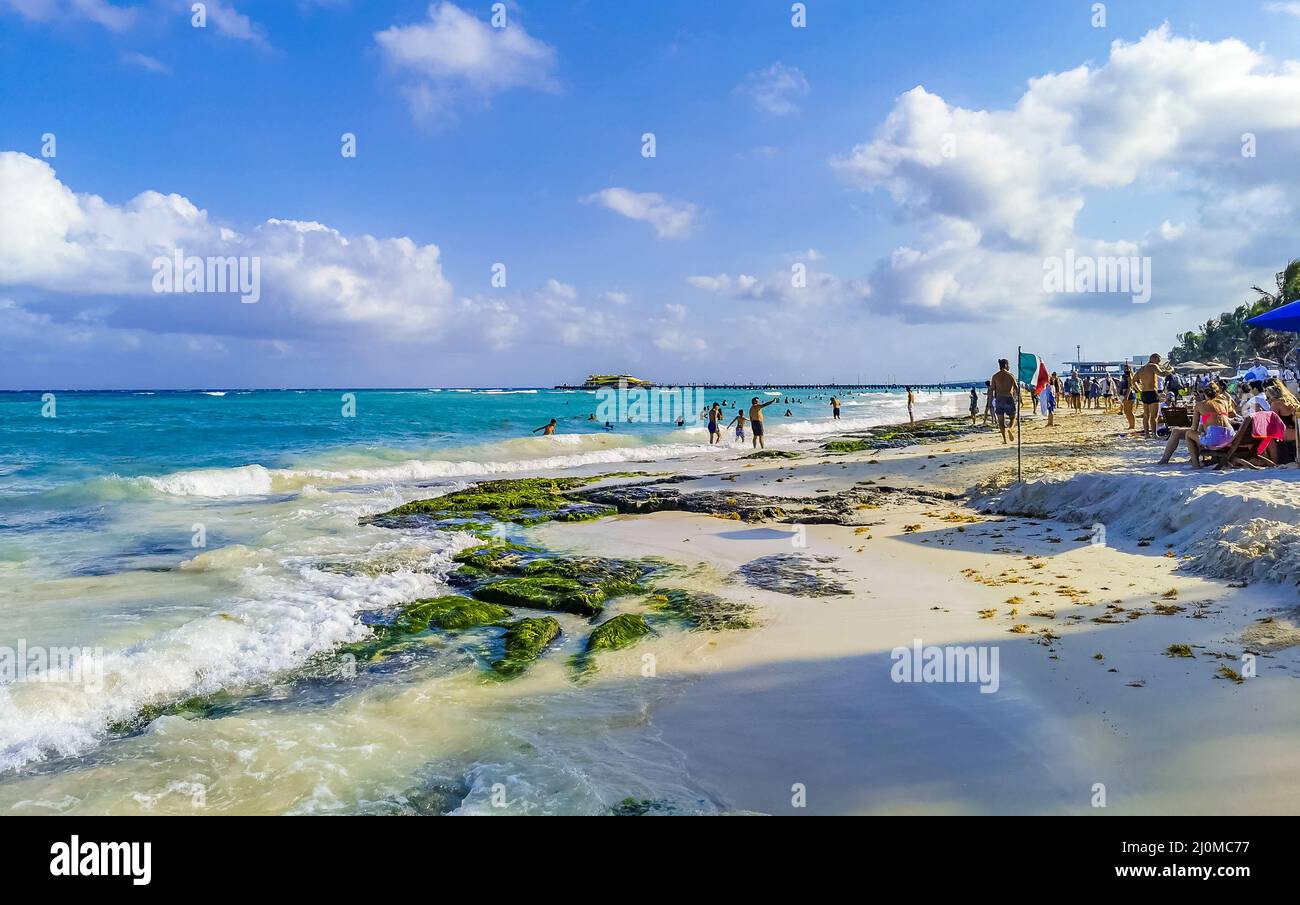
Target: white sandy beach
801, 715
809, 698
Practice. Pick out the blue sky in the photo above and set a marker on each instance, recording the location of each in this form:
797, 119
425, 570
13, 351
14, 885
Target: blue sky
775, 146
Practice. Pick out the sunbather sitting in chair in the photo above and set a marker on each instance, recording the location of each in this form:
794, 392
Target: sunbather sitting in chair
1265, 427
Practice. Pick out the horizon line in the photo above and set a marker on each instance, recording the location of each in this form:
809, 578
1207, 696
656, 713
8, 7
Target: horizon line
425, 389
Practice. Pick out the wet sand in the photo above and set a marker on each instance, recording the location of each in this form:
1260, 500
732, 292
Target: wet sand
1088, 695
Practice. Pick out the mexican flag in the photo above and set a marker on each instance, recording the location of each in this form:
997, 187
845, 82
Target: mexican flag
1033, 372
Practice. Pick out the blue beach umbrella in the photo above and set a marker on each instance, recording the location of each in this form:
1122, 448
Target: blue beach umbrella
1285, 319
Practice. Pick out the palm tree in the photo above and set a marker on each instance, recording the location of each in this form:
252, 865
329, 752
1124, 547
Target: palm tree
1270, 343
1228, 338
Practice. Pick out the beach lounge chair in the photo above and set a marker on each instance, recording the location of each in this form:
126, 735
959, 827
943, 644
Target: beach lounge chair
1265, 427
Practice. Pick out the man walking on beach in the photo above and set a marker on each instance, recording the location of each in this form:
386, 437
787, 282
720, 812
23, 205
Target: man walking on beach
1147, 380
835, 408
1004, 389
1126, 396
756, 420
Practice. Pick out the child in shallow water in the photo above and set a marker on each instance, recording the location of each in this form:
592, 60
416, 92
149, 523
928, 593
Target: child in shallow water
739, 421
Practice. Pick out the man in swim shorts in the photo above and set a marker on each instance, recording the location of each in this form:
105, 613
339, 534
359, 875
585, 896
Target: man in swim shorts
715, 432
835, 408
756, 419
1147, 379
1003, 386
548, 428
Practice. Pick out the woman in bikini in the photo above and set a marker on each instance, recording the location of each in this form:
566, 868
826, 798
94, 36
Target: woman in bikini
1177, 434
1212, 424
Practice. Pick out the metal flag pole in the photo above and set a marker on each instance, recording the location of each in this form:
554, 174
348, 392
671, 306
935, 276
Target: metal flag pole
1020, 425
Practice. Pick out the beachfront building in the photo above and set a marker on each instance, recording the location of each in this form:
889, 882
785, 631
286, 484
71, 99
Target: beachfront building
1089, 369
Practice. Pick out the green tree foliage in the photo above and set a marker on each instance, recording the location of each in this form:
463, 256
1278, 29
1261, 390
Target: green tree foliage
1227, 338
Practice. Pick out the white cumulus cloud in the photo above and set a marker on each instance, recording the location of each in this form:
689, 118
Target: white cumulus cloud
994, 192
82, 247
671, 220
455, 54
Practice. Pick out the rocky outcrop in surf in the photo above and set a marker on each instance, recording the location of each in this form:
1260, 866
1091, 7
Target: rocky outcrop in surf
934, 430
796, 574
522, 501
843, 508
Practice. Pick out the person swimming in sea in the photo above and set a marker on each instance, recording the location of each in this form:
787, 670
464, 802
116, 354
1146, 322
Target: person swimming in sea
548, 428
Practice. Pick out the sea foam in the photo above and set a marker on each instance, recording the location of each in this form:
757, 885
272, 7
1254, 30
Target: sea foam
286, 611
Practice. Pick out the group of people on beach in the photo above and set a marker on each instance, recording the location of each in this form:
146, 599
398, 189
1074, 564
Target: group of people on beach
1207, 413
1252, 425
1248, 421
1131, 389
715, 414
755, 421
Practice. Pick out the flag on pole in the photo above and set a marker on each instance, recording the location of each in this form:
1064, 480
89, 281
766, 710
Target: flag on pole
1033, 372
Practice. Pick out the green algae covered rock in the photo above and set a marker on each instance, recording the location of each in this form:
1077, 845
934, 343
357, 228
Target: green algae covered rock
544, 592
703, 612
450, 612
893, 436
847, 446
524, 642
773, 454
613, 577
577, 584
502, 557
622, 631
202, 707
525, 501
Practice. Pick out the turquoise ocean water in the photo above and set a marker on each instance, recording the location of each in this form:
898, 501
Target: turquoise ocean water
184, 540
